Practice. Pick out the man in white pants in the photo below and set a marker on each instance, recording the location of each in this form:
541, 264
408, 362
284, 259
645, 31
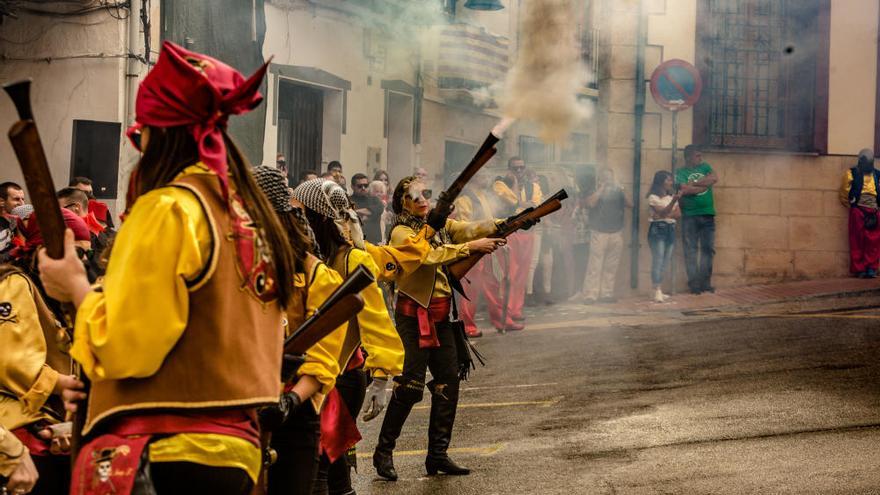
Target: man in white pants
607, 208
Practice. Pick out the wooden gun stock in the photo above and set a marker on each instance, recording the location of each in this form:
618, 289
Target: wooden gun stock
315, 329
342, 305
35, 167
460, 268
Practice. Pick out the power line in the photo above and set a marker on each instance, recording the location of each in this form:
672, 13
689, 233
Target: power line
54, 58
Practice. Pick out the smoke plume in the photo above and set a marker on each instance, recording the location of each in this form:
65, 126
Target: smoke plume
543, 84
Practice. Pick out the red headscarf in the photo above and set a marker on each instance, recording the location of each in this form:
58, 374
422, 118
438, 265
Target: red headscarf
190, 89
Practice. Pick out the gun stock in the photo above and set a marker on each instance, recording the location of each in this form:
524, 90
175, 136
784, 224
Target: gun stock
28, 149
346, 308
460, 268
342, 305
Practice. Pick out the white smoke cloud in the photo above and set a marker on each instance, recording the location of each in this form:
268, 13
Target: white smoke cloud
543, 84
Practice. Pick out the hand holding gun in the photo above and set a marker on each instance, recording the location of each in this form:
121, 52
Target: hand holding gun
342, 305
28, 148
521, 221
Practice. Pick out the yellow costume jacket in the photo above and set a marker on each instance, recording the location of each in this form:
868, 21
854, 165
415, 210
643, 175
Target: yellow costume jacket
322, 359
165, 242
11, 452
377, 332
29, 367
428, 280
396, 261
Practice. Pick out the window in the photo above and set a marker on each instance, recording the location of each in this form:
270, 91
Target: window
533, 151
577, 150
762, 67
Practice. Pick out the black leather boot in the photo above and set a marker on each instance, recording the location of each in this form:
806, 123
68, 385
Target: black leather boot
444, 401
398, 410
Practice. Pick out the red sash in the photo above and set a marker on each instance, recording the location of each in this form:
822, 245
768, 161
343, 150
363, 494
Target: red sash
339, 430
35, 445
108, 463
436, 312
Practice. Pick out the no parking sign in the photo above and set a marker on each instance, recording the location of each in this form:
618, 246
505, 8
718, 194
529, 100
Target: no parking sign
676, 85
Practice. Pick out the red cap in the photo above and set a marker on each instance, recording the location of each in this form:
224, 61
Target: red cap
186, 88
34, 238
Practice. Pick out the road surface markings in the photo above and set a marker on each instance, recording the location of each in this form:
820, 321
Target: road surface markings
489, 450
523, 385
842, 316
481, 405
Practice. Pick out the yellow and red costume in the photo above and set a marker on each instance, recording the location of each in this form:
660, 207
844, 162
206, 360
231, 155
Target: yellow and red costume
182, 340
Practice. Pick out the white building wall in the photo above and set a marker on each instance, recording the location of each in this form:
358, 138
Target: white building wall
79, 71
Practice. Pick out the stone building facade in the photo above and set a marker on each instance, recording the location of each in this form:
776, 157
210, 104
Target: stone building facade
778, 213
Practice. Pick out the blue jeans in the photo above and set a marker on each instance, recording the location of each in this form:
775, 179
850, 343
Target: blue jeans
661, 238
698, 235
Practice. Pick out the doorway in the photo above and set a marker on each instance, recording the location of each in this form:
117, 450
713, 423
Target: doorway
300, 126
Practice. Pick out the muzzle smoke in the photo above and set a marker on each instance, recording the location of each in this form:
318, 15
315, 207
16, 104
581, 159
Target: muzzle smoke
543, 84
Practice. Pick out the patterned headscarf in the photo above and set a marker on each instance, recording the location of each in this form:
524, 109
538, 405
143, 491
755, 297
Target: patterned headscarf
328, 199
314, 195
273, 182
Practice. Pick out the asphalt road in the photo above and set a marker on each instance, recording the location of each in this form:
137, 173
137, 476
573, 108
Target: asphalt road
734, 405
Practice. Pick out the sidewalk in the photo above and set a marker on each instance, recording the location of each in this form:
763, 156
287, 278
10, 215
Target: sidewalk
787, 298
755, 295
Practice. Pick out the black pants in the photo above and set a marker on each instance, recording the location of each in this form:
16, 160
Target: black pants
335, 478
296, 442
698, 235
188, 478
442, 361
54, 471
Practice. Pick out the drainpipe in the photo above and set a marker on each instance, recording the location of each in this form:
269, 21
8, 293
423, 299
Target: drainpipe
132, 65
641, 41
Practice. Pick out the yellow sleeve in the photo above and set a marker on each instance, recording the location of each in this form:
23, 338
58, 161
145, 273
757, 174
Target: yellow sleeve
378, 334
464, 209
537, 194
127, 328
504, 192
402, 259
844, 187
470, 231
11, 452
322, 359
23, 369
440, 255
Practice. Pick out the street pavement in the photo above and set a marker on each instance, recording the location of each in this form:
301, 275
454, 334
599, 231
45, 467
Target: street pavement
778, 398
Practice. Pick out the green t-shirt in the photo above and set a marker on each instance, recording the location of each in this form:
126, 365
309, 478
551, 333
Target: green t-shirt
699, 204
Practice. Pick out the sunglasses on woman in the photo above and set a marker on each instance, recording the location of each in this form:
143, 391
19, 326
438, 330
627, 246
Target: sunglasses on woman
424, 193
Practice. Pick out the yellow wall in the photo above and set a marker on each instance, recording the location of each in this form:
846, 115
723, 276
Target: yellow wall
853, 71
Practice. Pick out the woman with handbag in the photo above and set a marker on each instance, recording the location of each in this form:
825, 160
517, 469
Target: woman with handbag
661, 233
424, 303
